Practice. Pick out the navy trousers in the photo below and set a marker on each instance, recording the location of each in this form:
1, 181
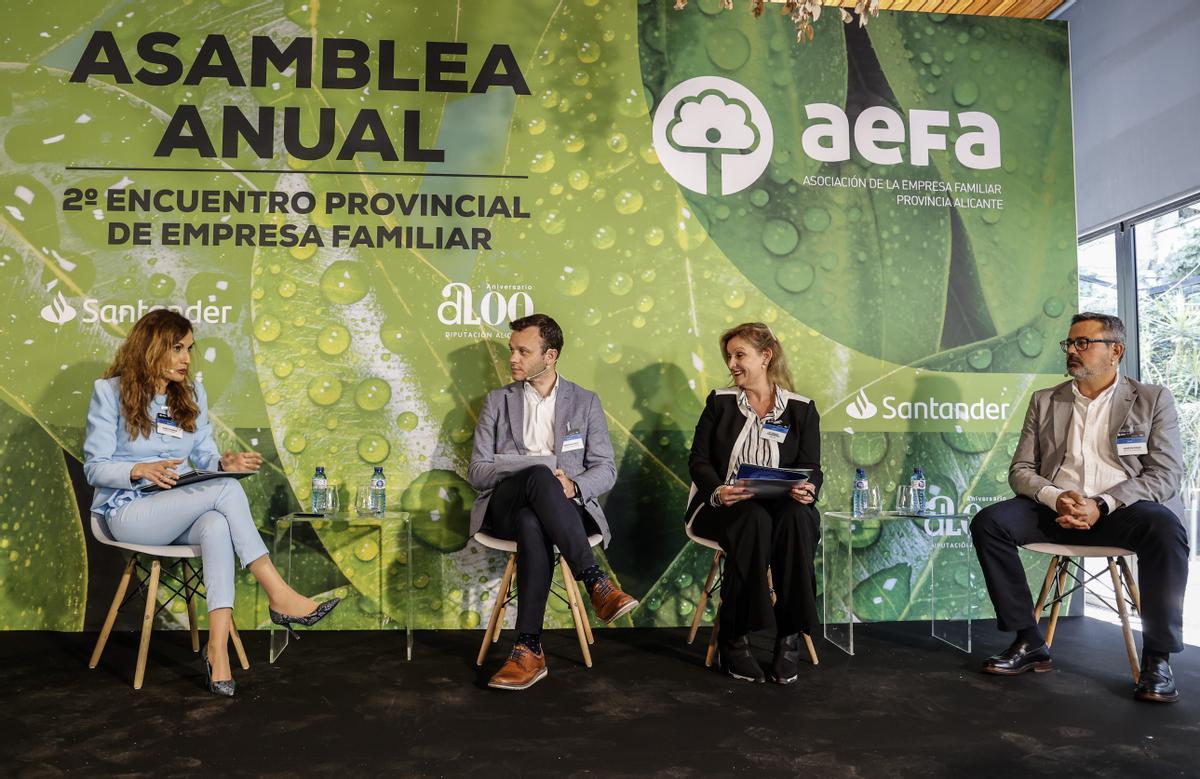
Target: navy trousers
1149, 529
529, 507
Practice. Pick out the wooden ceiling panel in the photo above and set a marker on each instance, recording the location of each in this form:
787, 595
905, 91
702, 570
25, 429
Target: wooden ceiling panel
1024, 9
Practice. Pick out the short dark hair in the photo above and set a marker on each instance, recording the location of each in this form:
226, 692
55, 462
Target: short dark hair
1112, 324
549, 331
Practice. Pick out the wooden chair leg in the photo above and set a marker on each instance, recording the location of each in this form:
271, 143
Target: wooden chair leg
1041, 601
507, 597
147, 624
712, 641
1131, 584
700, 604
493, 628
1123, 610
583, 612
122, 586
576, 609
189, 594
812, 652
237, 645
1063, 564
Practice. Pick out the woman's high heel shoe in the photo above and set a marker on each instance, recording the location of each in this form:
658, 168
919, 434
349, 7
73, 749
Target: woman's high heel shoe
225, 688
308, 620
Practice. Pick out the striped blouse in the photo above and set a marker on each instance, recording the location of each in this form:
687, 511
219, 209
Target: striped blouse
752, 446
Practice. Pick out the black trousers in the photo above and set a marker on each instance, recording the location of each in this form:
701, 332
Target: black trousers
1149, 529
529, 507
782, 534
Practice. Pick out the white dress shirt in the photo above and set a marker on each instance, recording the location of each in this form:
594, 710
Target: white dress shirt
1090, 466
538, 425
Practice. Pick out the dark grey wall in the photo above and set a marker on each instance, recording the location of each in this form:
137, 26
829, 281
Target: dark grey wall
1135, 72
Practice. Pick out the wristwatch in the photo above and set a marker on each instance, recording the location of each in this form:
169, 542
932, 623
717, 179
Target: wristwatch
1101, 506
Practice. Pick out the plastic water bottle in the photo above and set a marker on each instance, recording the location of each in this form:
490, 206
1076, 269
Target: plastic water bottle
378, 491
319, 485
859, 499
917, 482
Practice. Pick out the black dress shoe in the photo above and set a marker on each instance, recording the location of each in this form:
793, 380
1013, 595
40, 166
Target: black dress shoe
785, 665
1156, 682
1019, 658
738, 661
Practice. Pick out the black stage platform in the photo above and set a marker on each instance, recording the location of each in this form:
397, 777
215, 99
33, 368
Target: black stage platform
346, 703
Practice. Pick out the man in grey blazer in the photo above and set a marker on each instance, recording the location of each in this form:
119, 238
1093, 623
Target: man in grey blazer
1098, 463
539, 507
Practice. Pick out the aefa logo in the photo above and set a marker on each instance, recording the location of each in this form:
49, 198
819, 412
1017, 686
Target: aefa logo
58, 311
713, 124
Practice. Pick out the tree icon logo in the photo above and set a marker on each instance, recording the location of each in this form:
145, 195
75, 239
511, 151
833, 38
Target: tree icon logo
712, 135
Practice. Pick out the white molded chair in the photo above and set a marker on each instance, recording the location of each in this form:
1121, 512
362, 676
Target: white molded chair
1065, 556
712, 584
187, 584
507, 593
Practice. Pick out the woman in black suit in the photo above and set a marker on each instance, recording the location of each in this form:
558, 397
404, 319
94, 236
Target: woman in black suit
759, 421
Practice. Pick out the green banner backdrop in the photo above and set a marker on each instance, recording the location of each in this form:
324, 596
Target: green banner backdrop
352, 199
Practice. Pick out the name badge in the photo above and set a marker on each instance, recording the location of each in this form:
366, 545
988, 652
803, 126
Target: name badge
164, 425
773, 431
573, 441
1131, 445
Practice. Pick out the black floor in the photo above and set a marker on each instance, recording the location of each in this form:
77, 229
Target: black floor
347, 703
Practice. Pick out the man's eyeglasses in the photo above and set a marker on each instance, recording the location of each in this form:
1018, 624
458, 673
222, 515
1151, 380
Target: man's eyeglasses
1082, 344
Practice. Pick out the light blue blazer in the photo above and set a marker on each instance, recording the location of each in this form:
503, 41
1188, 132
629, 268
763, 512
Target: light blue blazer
109, 454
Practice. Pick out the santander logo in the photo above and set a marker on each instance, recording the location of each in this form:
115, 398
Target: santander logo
861, 407
58, 311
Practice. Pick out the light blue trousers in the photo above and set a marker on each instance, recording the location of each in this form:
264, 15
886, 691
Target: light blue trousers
214, 514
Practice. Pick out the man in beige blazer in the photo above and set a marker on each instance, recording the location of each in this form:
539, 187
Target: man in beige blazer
1099, 463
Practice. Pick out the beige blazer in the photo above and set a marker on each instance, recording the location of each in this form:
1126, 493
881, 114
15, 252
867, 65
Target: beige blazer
1137, 408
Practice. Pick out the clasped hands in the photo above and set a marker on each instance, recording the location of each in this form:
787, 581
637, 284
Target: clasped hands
1076, 512
567, 485
804, 492
162, 472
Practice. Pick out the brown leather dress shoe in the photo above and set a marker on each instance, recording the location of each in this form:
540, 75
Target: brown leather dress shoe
522, 670
608, 602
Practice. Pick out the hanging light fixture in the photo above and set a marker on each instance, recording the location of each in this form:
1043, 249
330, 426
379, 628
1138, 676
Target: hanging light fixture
803, 12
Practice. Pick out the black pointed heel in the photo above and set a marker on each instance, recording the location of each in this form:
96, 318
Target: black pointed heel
224, 688
308, 620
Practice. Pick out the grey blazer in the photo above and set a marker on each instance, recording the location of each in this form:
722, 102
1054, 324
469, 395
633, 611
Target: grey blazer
1142, 409
500, 431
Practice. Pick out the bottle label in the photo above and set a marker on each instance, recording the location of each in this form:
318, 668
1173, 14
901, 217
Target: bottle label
860, 484
378, 483
320, 484
918, 484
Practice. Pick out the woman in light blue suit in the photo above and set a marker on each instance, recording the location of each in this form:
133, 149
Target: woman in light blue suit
146, 419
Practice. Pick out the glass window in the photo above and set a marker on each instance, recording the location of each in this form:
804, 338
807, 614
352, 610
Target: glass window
1098, 275
1167, 254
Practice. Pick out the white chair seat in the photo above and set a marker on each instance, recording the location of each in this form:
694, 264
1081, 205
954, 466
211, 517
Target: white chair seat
102, 534
1078, 550
701, 540
502, 545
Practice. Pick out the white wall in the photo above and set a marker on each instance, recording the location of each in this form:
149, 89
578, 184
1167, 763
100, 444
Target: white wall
1135, 70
